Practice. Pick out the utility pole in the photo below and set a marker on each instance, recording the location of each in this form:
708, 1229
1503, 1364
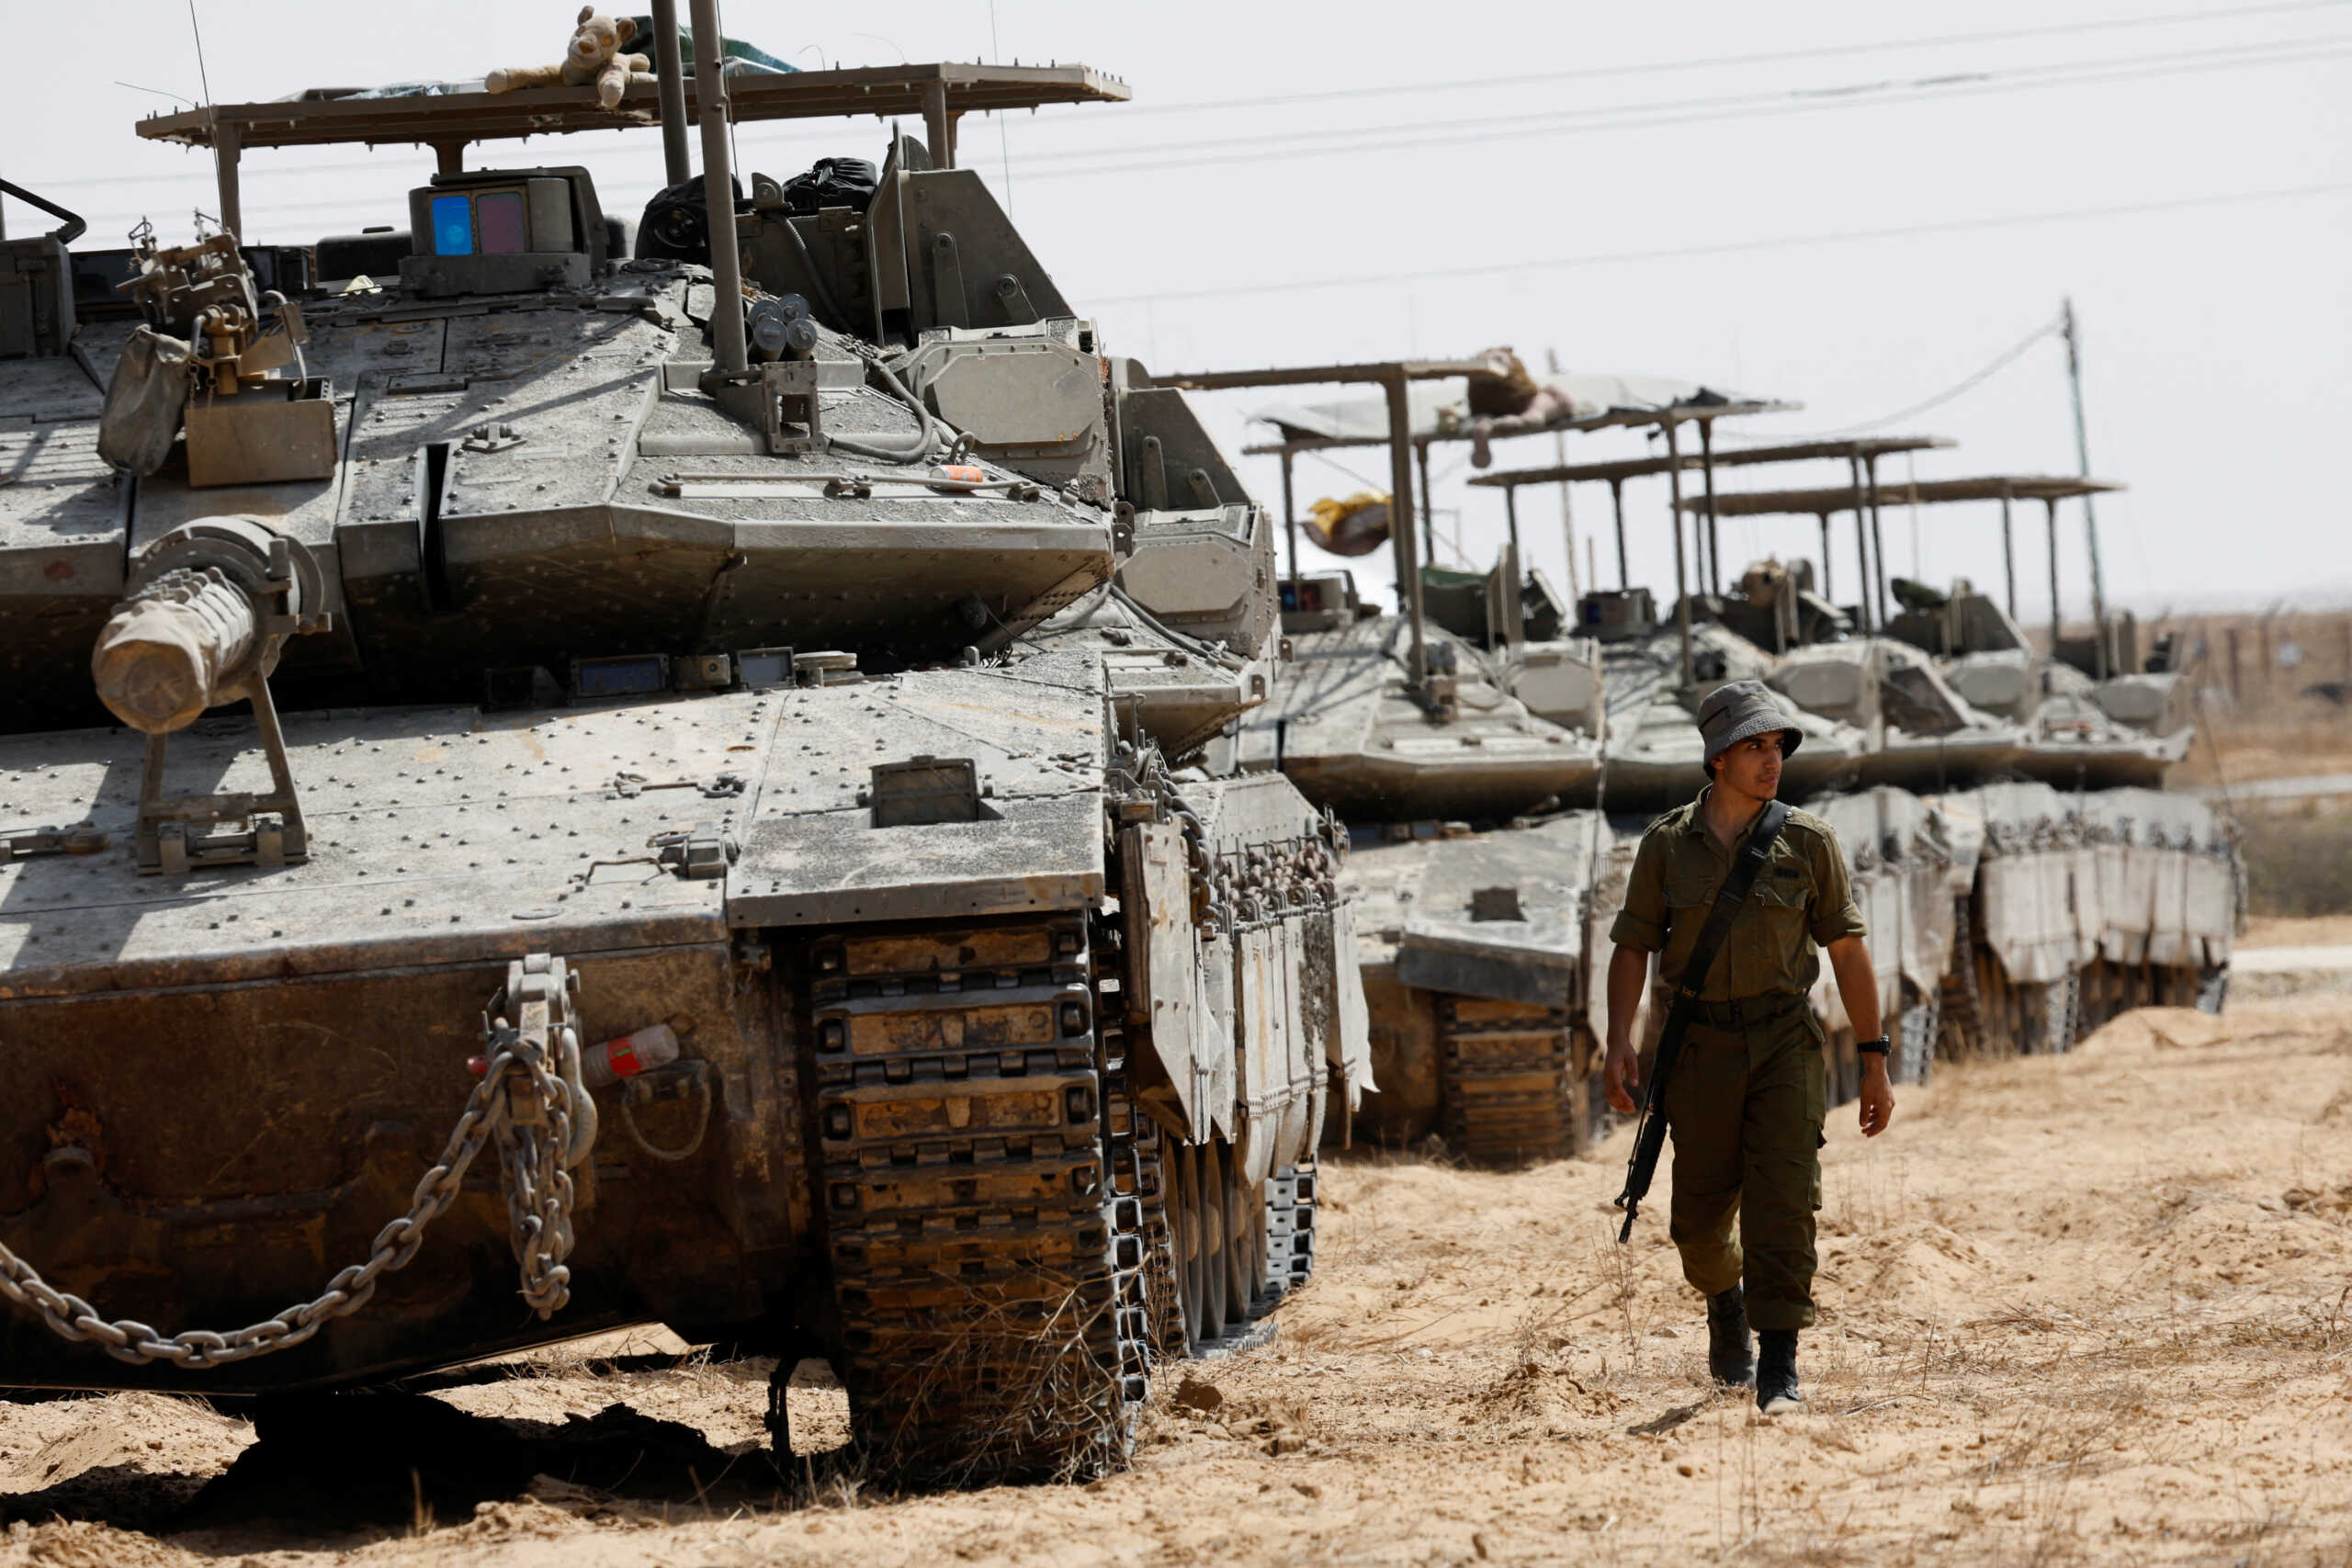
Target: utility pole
2090, 513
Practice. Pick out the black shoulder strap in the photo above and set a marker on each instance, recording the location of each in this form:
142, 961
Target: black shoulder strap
1649, 1140
1745, 870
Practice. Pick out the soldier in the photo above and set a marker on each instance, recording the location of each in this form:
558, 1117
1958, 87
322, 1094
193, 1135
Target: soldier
1745, 1100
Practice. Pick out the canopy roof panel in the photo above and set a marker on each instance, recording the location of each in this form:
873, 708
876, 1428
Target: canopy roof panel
1926, 492
1733, 458
1440, 412
330, 116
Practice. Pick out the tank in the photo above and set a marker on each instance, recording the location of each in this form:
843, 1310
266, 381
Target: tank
1509, 723
1471, 866
2093, 718
1478, 953
1920, 734
1913, 866
1654, 760
2102, 891
2095, 893
2005, 914
1909, 863
421, 680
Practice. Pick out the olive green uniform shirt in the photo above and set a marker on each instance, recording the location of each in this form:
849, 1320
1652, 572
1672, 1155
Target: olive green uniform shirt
1803, 898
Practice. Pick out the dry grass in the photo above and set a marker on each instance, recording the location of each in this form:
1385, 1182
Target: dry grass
2299, 861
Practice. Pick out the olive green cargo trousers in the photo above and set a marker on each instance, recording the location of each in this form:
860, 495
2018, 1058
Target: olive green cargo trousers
1746, 1105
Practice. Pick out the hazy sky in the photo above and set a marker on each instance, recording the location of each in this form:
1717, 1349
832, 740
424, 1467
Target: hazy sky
1662, 189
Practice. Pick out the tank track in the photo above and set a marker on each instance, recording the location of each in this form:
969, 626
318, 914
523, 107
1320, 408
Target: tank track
1137, 1167
2027, 1017
988, 1274
1509, 1082
1154, 1327
2109, 989
1959, 1013
1915, 1030
1290, 1231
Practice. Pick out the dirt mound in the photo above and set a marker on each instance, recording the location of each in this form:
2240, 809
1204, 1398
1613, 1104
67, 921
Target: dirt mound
2145, 1028
1916, 1266
123, 1462
79, 1543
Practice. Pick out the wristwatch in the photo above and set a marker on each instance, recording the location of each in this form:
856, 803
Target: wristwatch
1879, 1047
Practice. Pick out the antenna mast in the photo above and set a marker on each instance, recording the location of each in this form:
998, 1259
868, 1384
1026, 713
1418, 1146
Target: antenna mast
2090, 514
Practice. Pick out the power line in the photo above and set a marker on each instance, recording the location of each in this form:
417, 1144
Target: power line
1661, 116
1793, 241
1719, 101
1966, 384
1733, 100
1768, 57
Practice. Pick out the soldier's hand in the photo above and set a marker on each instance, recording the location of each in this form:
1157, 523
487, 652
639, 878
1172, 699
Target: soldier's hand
1877, 1101
1621, 1074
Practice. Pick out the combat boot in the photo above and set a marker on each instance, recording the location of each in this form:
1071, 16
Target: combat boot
1730, 1355
1776, 1373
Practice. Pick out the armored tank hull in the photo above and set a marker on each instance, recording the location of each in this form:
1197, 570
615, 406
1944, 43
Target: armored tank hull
1472, 911
1346, 728
2098, 891
2087, 904
1477, 963
1654, 755
1914, 868
629, 693
1922, 736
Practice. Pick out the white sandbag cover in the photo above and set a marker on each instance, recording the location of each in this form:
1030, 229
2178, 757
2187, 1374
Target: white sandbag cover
1909, 862
2168, 887
2038, 888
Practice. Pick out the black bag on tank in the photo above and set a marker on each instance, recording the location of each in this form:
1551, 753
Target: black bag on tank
676, 225
832, 182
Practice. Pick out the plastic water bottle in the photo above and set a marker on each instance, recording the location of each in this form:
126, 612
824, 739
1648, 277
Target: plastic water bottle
656, 1045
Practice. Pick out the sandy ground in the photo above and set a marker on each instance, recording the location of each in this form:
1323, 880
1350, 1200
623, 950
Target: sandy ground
2087, 1309
2319, 930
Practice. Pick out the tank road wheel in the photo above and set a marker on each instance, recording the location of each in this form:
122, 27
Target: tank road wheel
1506, 1080
2048, 1015
1200, 1220
985, 1265
1245, 1253
2034, 1005
1221, 1237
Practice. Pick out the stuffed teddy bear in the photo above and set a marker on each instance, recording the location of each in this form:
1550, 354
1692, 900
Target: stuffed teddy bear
594, 56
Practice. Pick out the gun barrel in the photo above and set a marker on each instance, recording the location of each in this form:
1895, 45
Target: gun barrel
173, 648
210, 604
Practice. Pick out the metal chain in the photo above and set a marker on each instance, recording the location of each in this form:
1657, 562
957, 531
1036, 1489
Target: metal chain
520, 1102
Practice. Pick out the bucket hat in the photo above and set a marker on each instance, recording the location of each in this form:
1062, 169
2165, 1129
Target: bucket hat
1738, 709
